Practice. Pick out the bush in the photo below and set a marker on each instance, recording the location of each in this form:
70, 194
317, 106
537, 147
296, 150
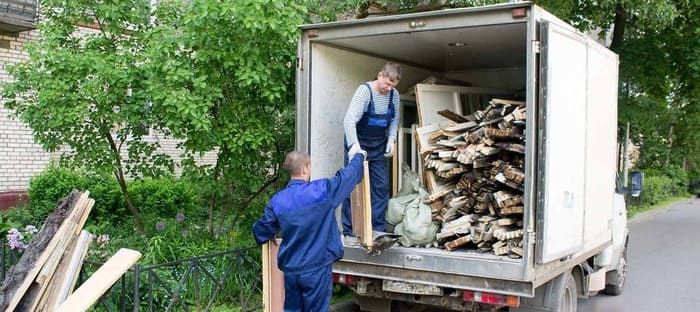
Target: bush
165, 197
678, 179
48, 187
656, 189
661, 184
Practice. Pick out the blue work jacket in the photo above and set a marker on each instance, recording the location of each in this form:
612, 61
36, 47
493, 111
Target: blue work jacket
305, 214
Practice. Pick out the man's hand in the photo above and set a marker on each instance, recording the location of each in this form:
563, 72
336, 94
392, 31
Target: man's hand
354, 149
390, 144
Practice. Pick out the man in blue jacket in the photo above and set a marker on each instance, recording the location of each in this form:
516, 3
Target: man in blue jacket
305, 214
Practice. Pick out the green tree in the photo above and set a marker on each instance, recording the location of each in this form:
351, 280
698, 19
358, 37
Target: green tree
84, 89
221, 76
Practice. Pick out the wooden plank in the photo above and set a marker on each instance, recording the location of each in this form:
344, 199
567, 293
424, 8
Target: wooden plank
62, 282
356, 202
367, 239
86, 295
452, 116
273, 278
507, 102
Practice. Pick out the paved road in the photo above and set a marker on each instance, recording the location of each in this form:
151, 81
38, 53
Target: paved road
664, 271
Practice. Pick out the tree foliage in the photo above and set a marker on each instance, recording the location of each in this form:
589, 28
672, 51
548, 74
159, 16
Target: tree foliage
83, 89
221, 76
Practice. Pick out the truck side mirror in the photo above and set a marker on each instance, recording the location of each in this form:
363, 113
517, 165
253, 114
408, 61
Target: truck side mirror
636, 183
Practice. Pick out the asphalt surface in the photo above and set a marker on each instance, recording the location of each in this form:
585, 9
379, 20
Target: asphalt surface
663, 267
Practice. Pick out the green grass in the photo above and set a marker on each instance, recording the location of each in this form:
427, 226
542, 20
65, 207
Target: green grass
637, 209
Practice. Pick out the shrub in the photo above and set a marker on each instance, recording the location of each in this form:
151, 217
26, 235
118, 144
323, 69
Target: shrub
49, 186
165, 197
656, 189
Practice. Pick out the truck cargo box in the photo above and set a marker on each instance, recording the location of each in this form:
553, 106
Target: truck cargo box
569, 84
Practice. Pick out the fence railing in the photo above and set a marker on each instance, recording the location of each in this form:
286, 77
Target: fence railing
230, 280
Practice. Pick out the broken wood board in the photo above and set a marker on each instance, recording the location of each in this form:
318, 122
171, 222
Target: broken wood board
95, 286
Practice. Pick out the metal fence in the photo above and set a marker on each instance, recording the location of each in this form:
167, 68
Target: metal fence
224, 281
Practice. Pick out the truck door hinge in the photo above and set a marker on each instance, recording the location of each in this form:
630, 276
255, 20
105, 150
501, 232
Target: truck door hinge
300, 63
536, 46
532, 238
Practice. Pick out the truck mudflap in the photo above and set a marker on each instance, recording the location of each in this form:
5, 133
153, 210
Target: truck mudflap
439, 279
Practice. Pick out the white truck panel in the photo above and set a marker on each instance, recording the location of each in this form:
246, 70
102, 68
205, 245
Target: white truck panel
565, 106
601, 142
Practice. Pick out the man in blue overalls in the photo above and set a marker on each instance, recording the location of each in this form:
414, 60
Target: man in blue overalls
371, 122
305, 214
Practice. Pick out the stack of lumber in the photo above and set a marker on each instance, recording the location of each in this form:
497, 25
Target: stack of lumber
44, 277
474, 172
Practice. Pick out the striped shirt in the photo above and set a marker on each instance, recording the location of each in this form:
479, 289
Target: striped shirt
360, 104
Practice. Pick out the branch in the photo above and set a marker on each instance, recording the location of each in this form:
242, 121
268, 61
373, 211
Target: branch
619, 28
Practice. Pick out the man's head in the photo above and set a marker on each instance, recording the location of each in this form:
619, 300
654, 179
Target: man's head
388, 77
298, 164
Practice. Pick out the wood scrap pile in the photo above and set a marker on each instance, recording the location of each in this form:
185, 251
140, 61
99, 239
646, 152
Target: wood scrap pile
474, 170
44, 277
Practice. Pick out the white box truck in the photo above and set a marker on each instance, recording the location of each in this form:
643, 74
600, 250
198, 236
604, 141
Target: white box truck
575, 216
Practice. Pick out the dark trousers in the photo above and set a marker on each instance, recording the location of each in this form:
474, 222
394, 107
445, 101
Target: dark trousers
379, 190
310, 291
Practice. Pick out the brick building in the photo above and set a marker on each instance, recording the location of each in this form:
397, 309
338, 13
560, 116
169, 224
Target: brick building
20, 157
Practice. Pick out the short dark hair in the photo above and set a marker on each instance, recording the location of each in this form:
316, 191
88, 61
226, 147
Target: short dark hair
295, 161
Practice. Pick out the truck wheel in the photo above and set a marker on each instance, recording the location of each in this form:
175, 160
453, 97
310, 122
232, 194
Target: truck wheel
621, 271
562, 296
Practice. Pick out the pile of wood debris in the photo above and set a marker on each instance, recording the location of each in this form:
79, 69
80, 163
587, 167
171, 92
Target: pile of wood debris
44, 277
474, 170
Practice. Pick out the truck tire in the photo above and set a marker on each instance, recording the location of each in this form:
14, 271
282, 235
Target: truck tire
616, 288
562, 296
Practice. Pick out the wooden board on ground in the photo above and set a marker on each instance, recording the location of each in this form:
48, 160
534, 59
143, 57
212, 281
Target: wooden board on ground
95, 286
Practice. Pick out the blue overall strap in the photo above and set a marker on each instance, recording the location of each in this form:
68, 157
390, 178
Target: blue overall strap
373, 126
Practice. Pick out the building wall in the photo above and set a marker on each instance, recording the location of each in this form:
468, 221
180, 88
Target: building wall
20, 157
